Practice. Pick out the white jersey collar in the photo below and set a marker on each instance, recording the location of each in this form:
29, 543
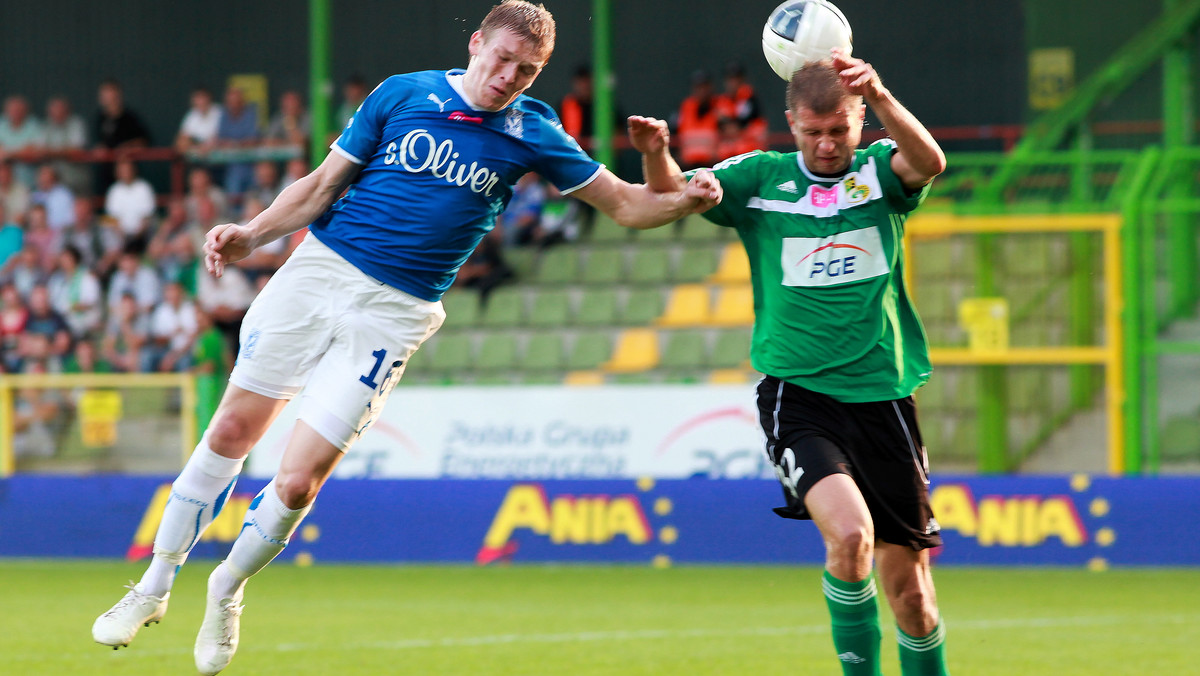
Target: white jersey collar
455, 79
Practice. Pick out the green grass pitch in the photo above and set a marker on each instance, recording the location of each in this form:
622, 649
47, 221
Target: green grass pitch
592, 620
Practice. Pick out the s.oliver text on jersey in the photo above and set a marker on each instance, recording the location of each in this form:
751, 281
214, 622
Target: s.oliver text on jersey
420, 151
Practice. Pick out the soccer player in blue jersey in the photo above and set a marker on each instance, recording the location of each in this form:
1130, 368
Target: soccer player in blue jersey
426, 164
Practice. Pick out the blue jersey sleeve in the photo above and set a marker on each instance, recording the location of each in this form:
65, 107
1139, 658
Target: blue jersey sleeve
360, 138
561, 161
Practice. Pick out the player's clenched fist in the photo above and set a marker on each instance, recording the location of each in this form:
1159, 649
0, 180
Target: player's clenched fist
648, 134
705, 189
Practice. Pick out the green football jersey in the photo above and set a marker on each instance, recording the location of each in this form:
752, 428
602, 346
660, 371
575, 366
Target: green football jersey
831, 311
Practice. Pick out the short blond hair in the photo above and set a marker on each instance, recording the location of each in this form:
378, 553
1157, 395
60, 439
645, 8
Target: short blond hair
532, 23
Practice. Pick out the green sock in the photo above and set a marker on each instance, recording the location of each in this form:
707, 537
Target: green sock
925, 656
855, 619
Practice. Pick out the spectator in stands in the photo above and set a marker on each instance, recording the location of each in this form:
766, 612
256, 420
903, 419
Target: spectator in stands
225, 299
55, 196
575, 109
291, 126
11, 237
211, 362
75, 293
35, 413
13, 193
198, 131
85, 358
562, 219
125, 337
171, 248
24, 271
266, 182
130, 200
201, 188
13, 317
238, 129
117, 127
65, 134
99, 242
743, 127
47, 334
265, 260
173, 329
295, 169
20, 133
485, 268
524, 213
354, 92
135, 278
46, 242
697, 124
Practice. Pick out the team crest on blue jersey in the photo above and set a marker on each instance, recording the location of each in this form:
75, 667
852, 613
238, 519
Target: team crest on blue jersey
514, 122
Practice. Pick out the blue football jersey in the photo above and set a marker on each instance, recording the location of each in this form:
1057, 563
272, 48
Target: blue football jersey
435, 174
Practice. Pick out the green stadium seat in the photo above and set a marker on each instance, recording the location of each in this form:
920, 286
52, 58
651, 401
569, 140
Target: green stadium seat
589, 351
696, 264
544, 353
604, 266
497, 352
559, 265
684, 349
598, 306
650, 266
451, 353
462, 308
695, 229
731, 349
494, 379
523, 261
663, 233
642, 307
505, 307
551, 308
1180, 438
636, 378
606, 231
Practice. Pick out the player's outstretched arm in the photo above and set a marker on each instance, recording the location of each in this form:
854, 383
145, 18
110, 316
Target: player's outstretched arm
297, 206
652, 139
918, 157
637, 206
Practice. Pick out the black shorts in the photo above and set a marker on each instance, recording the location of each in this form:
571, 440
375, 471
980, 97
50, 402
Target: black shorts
811, 436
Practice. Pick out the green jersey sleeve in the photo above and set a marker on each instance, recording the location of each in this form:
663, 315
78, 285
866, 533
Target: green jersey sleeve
901, 198
739, 181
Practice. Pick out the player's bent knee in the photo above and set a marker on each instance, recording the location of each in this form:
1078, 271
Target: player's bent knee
232, 432
916, 608
297, 489
851, 542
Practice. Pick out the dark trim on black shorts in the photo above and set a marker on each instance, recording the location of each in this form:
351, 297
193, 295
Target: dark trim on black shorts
877, 444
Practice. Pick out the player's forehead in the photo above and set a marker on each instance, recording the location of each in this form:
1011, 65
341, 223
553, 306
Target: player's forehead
508, 44
842, 116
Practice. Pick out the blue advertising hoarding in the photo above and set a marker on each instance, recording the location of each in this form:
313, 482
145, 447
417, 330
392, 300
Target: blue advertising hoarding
1083, 521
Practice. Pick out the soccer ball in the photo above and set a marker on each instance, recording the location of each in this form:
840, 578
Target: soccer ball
799, 31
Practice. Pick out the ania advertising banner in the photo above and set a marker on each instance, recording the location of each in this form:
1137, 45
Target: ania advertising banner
547, 433
1073, 521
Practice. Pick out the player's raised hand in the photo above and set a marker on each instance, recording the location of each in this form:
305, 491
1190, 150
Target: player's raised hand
858, 76
705, 189
224, 244
648, 135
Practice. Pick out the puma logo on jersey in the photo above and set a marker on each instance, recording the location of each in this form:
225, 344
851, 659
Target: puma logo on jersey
440, 103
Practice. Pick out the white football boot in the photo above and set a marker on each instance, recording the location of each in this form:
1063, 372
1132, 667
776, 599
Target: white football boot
218, 638
135, 610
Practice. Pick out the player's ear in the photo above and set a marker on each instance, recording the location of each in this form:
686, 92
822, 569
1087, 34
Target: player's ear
475, 45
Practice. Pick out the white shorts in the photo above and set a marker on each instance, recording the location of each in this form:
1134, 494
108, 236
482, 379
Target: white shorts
324, 326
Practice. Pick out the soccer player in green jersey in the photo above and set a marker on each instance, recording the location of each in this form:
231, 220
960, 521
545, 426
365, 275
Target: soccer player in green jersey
839, 343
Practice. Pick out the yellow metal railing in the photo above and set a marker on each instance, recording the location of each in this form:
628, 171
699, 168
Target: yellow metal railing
186, 383
1108, 355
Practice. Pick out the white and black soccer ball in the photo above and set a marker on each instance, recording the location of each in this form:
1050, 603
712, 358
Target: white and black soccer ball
799, 31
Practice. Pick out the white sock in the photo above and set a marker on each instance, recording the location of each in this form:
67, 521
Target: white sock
197, 496
269, 525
